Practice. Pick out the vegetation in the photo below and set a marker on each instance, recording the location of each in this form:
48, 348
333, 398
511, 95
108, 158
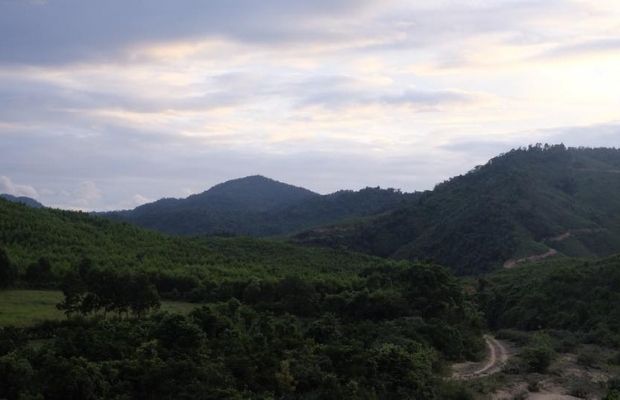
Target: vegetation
22, 199
25, 308
275, 321
515, 206
565, 295
35, 238
258, 206
270, 319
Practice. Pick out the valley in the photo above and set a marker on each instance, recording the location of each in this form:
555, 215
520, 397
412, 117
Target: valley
371, 295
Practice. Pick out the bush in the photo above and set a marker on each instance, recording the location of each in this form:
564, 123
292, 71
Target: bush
518, 337
456, 391
583, 389
589, 358
538, 355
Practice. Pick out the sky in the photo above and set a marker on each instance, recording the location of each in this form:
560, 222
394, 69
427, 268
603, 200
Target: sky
110, 104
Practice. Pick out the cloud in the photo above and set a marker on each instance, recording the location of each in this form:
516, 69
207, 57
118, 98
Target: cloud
585, 48
334, 92
596, 135
138, 200
69, 30
8, 187
102, 101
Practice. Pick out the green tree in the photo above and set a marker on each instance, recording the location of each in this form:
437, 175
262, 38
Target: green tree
7, 270
40, 273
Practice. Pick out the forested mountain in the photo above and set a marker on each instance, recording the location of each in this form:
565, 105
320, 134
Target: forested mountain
30, 202
537, 201
65, 237
258, 206
277, 320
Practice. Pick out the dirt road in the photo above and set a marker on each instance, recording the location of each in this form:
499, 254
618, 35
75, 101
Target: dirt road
497, 355
539, 257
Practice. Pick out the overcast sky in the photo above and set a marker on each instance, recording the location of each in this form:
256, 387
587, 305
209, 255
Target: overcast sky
109, 104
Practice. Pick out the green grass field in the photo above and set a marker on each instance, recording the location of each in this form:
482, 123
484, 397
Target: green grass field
27, 307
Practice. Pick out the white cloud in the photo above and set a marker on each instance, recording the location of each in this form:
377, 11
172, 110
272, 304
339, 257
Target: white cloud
323, 94
138, 200
7, 186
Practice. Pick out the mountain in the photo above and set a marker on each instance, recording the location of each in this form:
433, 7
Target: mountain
65, 237
270, 312
23, 200
258, 206
527, 204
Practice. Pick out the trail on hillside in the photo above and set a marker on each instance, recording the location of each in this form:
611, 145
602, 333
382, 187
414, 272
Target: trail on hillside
497, 356
552, 252
574, 232
539, 257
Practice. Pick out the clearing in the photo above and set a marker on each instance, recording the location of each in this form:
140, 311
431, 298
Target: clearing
27, 307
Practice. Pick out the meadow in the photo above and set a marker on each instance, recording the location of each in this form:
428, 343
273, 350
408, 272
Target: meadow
24, 308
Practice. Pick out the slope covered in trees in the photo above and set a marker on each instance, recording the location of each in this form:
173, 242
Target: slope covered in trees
277, 321
23, 200
570, 295
257, 206
64, 238
519, 204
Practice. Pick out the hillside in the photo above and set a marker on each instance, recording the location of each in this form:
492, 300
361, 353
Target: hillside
528, 202
277, 320
257, 206
30, 202
569, 295
65, 237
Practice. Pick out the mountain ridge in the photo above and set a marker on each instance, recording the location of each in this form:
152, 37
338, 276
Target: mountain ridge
258, 206
30, 202
503, 210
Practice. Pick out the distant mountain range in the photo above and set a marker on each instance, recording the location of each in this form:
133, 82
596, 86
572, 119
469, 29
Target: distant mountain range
526, 205
259, 206
23, 200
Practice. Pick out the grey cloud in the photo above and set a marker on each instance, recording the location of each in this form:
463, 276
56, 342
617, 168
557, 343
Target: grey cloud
67, 30
60, 31
425, 25
118, 165
422, 99
32, 100
429, 97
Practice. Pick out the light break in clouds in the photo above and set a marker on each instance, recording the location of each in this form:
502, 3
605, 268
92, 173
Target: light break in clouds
110, 104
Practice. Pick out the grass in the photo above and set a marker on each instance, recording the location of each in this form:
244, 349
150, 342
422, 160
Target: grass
27, 307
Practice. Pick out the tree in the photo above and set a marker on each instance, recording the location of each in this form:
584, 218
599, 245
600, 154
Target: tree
7, 270
88, 289
142, 294
39, 273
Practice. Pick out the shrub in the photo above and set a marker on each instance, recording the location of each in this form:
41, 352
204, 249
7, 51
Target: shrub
539, 354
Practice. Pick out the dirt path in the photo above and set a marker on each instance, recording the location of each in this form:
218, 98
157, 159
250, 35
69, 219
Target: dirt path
539, 257
552, 252
497, 355
574, 232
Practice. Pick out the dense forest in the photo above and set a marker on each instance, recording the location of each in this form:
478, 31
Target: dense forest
275, 320
258, 206
22, 199
571, 295
519, 204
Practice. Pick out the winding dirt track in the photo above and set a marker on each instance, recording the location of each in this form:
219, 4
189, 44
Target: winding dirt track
496, 358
